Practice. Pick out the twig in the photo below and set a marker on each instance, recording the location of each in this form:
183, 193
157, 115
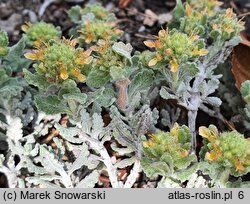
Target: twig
145, 37
195, 99
235, 7
218, 115
244, 14
43, 7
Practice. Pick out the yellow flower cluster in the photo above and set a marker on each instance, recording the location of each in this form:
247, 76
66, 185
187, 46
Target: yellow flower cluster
40, 32
227, 24
60, 59
166, 142
227, 148
204, 6
175, 48
93, 31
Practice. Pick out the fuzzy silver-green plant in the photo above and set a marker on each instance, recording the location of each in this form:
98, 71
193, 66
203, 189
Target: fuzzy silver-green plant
245, 92
176, 48
167, 153
60, 60
94, 22
41, 32
198, 42
226, 154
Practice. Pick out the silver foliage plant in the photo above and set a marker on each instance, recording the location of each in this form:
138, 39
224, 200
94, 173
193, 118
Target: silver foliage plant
56, 131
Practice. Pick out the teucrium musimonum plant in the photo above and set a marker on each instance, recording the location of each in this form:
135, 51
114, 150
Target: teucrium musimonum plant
94, 22
226, 154
40, 32
195, 58
167, 154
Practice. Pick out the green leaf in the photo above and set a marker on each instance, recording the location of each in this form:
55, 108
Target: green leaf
214, 101
97, 78
93, 96
15, 58
107, 98
164, 94
141, 82
75, 14
123, 49
4, 40
50, 104
78, 97
179, 10
245, 90
68, 87
36, 80
118, 73
185, 174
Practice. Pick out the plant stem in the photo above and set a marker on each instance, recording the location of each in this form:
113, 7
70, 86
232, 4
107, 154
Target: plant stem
111, 169
191, 124
195, 103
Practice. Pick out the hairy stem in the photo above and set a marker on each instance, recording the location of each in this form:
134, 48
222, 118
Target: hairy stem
191, 124
122, 87
195, 101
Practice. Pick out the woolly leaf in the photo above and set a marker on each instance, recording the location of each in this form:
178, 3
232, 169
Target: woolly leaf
125, 163
123, 49
80, 160
93, 96
69, 134
81, 98
50, 163
214, 101
164, 94
141, 82
107, 98
15, 58
36, 80
89, 181
50, 104
75, 14
245, 90
14, 130
97, 78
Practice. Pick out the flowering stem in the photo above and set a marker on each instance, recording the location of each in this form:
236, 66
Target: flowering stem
195, 100
175, 80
